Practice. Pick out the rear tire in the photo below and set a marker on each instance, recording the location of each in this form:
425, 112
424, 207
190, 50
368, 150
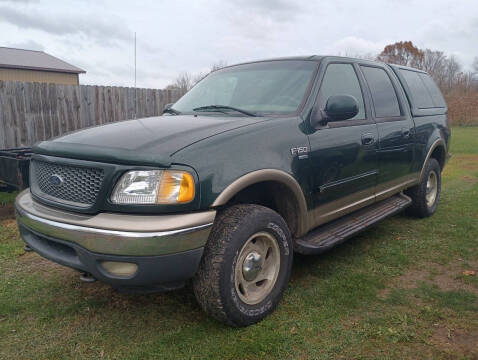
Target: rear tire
426, 194
246, 265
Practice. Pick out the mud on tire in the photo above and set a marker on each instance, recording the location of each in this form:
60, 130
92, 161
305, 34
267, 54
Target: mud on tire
214, 284
420, 206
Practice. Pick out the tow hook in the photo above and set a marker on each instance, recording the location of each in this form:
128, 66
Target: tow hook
87, 277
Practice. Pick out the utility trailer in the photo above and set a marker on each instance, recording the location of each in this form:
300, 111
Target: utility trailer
14, 169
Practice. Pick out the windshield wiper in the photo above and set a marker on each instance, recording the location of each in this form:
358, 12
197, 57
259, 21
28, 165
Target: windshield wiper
171, 111
223, 107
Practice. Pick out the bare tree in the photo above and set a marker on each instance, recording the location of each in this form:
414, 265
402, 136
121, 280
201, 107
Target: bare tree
475, 65
475, 73
199, 76
218, 65
184, 82
434, 63
452, 69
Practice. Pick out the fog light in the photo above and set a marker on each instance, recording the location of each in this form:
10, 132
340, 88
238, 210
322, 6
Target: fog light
119, 268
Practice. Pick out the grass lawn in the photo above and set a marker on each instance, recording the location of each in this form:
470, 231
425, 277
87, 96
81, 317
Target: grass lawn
397, 291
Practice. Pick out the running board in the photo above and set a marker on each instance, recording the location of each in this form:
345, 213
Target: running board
327, 236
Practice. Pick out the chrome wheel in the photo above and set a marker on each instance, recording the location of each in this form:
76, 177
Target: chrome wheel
257, 268
432, 188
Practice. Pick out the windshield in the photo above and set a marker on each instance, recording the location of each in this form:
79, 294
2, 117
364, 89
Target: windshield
272, 87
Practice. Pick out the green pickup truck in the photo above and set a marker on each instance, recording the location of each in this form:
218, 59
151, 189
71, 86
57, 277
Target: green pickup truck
257, 162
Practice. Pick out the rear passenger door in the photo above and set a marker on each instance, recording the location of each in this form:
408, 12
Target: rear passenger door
395, 130
343, 155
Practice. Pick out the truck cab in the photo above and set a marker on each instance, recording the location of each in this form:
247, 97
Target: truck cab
257, 162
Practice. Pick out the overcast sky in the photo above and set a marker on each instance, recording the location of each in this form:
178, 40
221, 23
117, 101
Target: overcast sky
179, 35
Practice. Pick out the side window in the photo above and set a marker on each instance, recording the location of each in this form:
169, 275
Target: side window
384, 96
341, 79
418, 90
433, 89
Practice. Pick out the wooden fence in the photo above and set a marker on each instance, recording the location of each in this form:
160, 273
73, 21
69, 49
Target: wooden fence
31, 112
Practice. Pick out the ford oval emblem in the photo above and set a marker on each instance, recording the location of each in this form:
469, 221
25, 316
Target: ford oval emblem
55, 180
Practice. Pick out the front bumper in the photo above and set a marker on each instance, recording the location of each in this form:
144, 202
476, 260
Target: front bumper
162, 248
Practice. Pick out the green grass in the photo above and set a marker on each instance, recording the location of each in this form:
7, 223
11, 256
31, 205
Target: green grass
464, 140
395, 291
7, 198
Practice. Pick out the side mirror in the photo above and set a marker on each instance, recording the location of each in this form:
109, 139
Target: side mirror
337, 108
341, 107
168, 106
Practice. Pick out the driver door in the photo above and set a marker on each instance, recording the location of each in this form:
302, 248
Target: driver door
343, 154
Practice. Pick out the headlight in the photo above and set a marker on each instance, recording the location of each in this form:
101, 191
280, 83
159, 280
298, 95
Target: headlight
154, 187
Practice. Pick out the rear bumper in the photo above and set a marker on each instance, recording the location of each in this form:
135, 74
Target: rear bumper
168, 252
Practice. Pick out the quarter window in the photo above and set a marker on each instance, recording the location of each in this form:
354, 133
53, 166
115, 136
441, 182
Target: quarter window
384, 96
423, 89
341, 79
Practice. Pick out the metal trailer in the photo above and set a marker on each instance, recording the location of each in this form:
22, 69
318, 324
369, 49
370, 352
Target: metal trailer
14, 169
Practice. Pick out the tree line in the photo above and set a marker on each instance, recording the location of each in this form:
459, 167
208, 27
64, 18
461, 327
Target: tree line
459, 86
185, 80
446, 70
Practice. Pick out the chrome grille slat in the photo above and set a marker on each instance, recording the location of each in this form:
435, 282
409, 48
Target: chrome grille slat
81, 185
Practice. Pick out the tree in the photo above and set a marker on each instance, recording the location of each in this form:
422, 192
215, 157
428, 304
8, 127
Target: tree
475, 72
433, 61
185, 81
452, 71
402, 53
218, 66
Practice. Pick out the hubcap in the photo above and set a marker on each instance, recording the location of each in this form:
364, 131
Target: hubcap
252, 266
432, 189
257, 268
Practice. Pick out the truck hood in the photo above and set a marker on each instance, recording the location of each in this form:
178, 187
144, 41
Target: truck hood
148, 141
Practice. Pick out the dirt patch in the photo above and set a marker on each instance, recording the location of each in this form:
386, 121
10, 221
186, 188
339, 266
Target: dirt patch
31, 262
384, 293
447, 277
456, 341
469, 162
413, 278
451, 276
470, 179
7, 212
9, 224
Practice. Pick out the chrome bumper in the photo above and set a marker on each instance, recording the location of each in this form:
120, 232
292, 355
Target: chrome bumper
117, 234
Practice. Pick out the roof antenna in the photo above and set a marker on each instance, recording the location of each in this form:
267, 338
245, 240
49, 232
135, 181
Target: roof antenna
135, 92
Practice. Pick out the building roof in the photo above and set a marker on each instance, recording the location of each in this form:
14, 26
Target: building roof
34, 60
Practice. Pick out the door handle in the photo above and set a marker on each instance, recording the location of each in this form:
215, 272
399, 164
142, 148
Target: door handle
406, 133
368, 139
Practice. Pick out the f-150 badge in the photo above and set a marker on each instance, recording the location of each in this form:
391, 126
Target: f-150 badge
301, 151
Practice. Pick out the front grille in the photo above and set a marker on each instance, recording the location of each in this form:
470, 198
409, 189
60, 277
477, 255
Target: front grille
66, 183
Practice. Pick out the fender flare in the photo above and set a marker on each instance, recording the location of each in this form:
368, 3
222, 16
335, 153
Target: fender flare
434, 145
269, 175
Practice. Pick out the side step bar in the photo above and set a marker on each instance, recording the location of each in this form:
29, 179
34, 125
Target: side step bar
327, 236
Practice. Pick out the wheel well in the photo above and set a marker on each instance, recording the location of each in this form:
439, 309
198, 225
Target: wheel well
273, 195
439, 154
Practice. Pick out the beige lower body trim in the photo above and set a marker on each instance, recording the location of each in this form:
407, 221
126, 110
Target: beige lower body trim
274, 175
358, 200
394, 186
340, 207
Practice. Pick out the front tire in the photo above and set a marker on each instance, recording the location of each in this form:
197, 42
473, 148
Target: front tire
246, 265
426, 194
